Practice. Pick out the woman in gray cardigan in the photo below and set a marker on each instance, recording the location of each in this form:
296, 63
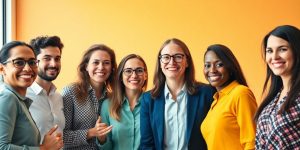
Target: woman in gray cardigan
18, 67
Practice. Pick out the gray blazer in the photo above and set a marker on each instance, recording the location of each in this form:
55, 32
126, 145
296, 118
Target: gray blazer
17, 128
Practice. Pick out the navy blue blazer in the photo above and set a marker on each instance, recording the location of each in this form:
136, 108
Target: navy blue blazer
152, 119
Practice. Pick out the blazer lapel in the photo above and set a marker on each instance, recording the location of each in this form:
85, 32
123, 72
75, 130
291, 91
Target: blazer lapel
192, 103
159, 115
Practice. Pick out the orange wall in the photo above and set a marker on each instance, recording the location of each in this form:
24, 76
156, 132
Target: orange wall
141, 27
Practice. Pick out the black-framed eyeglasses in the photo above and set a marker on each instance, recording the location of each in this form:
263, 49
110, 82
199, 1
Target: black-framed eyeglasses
20, 63
138, 71
166, 58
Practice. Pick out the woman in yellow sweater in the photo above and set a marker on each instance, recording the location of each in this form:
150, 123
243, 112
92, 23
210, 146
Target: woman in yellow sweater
229, 124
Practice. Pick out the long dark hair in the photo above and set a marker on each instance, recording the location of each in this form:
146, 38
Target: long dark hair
119, 88
292, 35
189, 75
83, 82
230, 62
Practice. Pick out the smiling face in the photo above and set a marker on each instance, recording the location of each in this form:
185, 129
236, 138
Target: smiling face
49, 63
214, 71
173, 70
99, 67
136, 80
19, 78
279, 56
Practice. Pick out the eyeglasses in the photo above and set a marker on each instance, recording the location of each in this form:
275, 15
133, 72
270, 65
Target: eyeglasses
20, 63
129, 71
166, 58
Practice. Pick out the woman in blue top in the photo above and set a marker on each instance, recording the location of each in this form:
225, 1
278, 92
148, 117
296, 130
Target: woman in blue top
172, 112
122, 112
18, 66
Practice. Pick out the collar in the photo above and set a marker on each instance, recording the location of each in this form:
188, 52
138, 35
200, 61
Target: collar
26, 100
104, 91
167, 90
37, 89
8, 87
125, 100
226, 90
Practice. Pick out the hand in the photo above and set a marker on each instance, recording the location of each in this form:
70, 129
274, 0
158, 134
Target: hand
100, 131
52, 141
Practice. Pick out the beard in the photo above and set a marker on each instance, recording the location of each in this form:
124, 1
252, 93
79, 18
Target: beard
44, 76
